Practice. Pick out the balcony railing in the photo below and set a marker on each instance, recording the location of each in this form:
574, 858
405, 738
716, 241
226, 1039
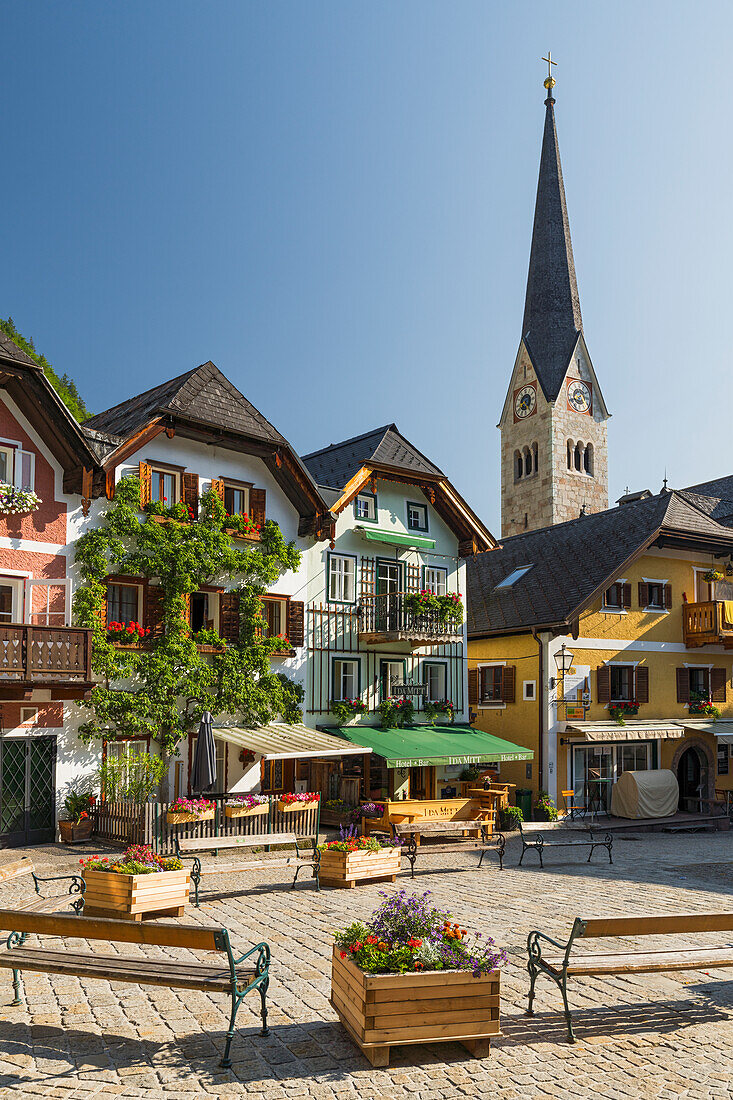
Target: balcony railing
53, 655
385, 618
706, 624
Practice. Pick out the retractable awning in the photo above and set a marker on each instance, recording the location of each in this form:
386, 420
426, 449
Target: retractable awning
632, 731
723, 731
396, 538
280, 741
421, 746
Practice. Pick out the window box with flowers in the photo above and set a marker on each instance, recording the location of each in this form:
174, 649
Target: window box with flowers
345, 862
78, 825
306, 800
621, 711
190, 809
704, 709
138, 884
396, 713
127, 634
410, 954
348, 710
160, 512
247, 805
17, 502
242, 526
439, 709
281, 646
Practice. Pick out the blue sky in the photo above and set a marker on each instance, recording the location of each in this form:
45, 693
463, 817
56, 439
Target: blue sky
333, 201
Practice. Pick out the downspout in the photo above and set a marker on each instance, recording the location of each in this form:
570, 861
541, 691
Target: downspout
541, 716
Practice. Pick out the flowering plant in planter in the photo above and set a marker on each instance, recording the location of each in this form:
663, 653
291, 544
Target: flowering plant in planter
436, 707
247, 801
371, 809
545, 807
359, 844
406, 933
621, 711
305, 797
396, 713
344, 709
701, 706
451, 608
140, 859
197, 806
241, 524
17, 502
76, 807
180, 512
422, 603
127, 633
712, 576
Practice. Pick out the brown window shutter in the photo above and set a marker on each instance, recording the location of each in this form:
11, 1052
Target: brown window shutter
146, 484
641, 695
296, 622
508, 681
153, 605
103, 609
626, 595
603, 682
683, 685
187, 607
191, 492
473, 687
643, 594
229, 615
718, 680
217, 487
257, 506
668, 595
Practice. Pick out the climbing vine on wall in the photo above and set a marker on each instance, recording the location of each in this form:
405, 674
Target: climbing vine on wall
163, 685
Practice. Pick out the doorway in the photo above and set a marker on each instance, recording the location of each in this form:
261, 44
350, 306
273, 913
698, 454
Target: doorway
689, 779
27, 791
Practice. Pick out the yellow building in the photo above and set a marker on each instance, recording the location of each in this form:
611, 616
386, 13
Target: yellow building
625, 602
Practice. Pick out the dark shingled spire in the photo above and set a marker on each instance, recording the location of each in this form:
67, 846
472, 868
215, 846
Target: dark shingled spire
552, 318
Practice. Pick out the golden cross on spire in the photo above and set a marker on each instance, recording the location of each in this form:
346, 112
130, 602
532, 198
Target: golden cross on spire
550, 80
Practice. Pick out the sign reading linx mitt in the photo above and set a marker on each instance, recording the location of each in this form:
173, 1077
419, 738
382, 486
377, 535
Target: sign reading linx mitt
406, 688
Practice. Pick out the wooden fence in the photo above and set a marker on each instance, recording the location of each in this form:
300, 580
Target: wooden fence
124, 823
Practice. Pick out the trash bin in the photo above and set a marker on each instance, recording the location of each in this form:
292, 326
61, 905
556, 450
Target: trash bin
523, 798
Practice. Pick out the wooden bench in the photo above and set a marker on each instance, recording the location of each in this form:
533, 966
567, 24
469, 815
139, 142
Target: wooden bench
304, 856
39, 903
537, 836
625, 961
484, 839
229, 975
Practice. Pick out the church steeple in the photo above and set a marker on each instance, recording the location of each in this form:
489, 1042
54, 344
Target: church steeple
552, 319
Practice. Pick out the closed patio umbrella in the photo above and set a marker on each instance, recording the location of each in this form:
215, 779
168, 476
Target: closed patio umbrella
203, 773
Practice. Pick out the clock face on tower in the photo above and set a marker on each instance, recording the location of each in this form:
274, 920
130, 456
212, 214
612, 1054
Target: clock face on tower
579, 396
525, 402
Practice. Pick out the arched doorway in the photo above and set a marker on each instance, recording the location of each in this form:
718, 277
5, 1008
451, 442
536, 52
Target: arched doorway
688, 777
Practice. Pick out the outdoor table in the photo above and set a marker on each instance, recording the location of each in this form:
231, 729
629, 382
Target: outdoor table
594, 792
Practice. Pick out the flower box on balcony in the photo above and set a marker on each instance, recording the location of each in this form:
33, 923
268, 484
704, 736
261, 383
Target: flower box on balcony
346, 869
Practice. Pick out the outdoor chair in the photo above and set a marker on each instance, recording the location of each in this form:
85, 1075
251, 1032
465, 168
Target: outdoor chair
571, 807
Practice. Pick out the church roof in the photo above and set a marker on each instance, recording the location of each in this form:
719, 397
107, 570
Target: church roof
552, 320
386, 446
571, 563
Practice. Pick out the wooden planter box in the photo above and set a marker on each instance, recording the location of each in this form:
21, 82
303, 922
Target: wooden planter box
291, 807
183, 818
132, 897
246, 811
73, 833
250, 536
384, 1010
347, 868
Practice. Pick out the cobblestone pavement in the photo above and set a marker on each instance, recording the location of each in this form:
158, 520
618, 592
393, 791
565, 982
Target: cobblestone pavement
638, 1036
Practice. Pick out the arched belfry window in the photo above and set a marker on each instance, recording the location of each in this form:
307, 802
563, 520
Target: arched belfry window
535, 456
570, 454
588, 459
578, 456
518, 466
527, 461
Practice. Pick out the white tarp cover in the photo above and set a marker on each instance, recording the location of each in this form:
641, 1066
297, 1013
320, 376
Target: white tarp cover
645, 794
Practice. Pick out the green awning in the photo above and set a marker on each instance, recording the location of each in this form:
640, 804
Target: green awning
377, 534
418, 746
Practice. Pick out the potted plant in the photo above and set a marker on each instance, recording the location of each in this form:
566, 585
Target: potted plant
703, 707
396, 713
545, 809
509, 818
358, 859
77, 825
348, 709
621, 711
242, 527
17, 502
302, 801
410, 973
190, 809
435, 708
422, 604
450, 608
246, 805
337, 812
131, 633
713, 576
137, 884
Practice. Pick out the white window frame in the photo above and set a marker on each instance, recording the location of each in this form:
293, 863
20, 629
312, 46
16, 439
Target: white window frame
43, 582
17, 583
239, 489
28, 716
529, 691
422, 509
345, 571
428, 667
13, 448
441, 579
339, 695
654, 608
371, 501
611, 608
283, 611
622, 664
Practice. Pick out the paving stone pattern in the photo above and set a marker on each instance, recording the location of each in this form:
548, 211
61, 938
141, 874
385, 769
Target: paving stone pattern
639, 1036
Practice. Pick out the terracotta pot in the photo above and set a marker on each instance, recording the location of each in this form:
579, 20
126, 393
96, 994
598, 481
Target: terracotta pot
73, 833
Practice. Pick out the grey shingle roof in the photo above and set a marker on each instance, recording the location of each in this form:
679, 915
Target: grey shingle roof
552, 319
11, 350
336, 465
203, 395
713, 497
571, 561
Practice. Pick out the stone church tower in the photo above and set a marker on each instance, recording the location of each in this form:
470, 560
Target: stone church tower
553, 425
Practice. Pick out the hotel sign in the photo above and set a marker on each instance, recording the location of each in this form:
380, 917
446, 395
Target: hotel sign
409, 689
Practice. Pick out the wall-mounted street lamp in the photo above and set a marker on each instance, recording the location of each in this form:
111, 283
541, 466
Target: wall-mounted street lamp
564, 661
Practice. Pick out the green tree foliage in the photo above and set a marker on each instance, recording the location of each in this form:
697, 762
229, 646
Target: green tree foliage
163, 688
65, 387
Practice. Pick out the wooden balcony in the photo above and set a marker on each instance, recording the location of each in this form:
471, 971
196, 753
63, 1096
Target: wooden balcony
385, 618
706, 624
56, 657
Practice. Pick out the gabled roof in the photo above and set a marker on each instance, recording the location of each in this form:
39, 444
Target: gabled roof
203, 395
336, 464
572, 562
552, 319
713, 497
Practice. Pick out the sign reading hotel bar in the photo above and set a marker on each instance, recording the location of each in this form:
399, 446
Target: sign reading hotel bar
471, 758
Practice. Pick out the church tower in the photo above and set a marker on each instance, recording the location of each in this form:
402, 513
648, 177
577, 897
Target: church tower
553, 425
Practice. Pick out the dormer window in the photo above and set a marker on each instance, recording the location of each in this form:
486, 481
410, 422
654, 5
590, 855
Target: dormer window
365, 508
417, 516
